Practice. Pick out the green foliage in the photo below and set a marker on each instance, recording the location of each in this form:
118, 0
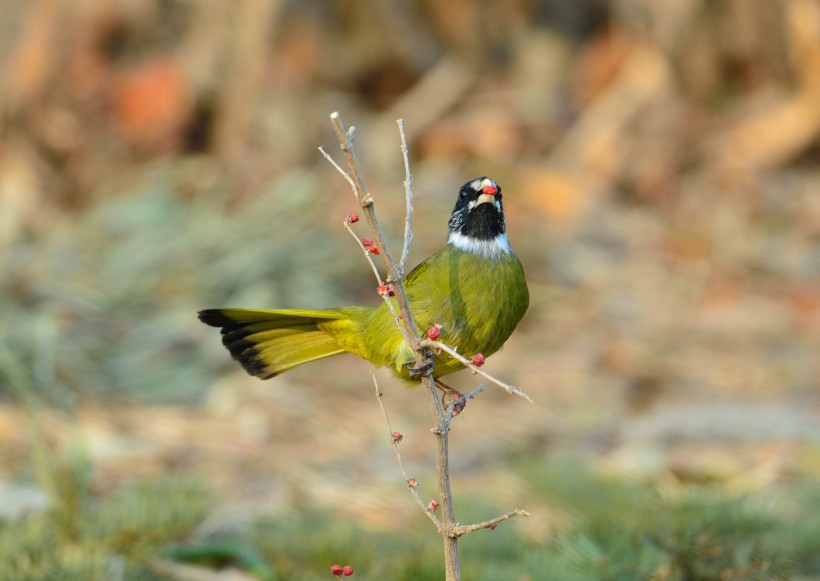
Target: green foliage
614, 531
84, 537
608, 529
303, 545
630, 531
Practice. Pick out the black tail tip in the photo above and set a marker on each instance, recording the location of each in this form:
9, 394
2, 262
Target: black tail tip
213, 317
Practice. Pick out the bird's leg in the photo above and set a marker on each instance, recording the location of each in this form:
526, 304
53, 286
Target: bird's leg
446, 389
451, 395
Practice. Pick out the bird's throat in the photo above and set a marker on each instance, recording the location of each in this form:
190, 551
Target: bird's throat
484, 247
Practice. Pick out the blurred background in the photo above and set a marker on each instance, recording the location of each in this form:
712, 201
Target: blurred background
660, 161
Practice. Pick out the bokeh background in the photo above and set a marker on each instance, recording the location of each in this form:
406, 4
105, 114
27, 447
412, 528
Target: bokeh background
661, 167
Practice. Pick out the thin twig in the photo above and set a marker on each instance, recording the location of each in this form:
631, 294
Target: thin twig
408, 196
369, 257
511, 389
459, 530
339, 169
346, 143
408, 324
366, 252
451, 409
394, 443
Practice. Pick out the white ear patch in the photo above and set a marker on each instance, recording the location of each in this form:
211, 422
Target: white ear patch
492, 248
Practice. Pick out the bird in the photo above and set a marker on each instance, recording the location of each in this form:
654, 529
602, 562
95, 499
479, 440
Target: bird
473, 291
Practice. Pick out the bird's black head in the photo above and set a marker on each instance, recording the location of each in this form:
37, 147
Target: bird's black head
478, 212
477, 221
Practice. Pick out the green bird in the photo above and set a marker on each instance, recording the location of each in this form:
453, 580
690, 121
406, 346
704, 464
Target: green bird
474, 288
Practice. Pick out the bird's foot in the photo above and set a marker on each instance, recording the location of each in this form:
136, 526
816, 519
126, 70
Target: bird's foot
451, 396
419, 371
458, 401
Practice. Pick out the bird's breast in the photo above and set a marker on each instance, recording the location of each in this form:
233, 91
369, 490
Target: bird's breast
478, 301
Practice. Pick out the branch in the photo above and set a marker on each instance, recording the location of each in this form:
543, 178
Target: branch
365, 250
354, 177
451, 410
339, 169
408, 196
511, 389
394, 442
383, 291
447, 526
407, 325
459, 530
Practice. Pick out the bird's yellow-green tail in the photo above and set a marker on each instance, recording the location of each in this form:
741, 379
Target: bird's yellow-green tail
268, 342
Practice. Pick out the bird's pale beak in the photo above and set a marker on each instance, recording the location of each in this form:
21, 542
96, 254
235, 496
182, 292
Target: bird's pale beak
488, 191
489, 187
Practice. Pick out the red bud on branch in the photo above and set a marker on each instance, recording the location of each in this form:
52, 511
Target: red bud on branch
369, 246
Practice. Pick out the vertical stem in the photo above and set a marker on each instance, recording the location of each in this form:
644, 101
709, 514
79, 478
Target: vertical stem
409, 331
452, 562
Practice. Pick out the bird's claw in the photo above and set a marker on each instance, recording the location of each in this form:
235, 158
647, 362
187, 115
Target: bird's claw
457, 400
418, 371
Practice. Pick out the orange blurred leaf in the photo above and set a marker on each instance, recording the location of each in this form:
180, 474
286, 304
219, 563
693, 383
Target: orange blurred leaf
151, 101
